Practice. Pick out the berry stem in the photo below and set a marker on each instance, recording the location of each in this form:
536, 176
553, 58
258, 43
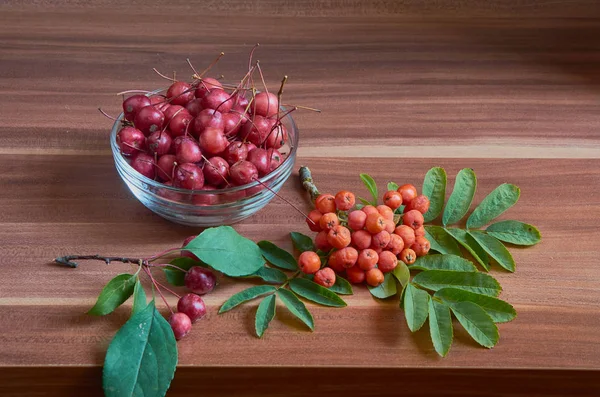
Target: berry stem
107, 115
161, 254
307, 183
163, 76
67, 260
149, 273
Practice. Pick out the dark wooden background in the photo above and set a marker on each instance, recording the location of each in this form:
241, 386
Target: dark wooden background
510, 88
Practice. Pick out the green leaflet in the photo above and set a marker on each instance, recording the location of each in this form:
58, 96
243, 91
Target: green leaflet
416, 307
270, 275
515, 232
499, 310
371, 186
392, 186
117, 291
175, 276
493, 205
480, 283
434, 187
469, 243
296, 307
341, 286
477, 323
139, 297
440, 327
245, 296
402, 274
443, 262
226, 251
495, 249
314, 292
441, 241
385, 289
277, 256
302, 242
462, 195
264, 315
142, 357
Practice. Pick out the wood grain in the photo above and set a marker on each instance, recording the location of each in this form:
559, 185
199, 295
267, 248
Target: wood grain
507, 88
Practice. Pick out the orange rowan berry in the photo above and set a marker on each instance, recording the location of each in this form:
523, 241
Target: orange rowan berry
355, 274
421, 246
396, 244
369, 209
367, 259
325, 203
389, 226
356, 220
315, 217
325, 277
412, 218
344, 200
387, 261
329, 221
392, 199
385, 211
309, 262
419, 203
408, 256
420, 231
375, 223
321, 241
347, 257
407, 233
339, 237
380, 240
336, 264
374, 277
361, 239
408, 193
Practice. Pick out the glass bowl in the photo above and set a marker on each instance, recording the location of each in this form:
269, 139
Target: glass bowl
209, 207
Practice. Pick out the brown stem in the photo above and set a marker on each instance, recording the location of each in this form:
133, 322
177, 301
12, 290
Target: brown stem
68, 259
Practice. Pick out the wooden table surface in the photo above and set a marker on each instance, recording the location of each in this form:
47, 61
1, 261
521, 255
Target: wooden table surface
509, 88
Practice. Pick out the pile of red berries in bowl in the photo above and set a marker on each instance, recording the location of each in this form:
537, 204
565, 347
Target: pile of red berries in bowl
205, 153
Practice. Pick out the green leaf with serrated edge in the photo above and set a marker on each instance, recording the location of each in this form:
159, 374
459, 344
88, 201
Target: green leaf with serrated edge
139, 297
462, 195
392, 186
434, 187
264, 315
515, 232
226, 251
441, 241
386, 289
471, 246
499, 310
277, 256
175, 276
402, 273
477, 282
493, 205
416, 307
443, 262
495, 249
477, 323
245, 296
270, 275
440, 327
296, 307
341, 286
142, 357
117, 291
314, 292
371, 186
302, 242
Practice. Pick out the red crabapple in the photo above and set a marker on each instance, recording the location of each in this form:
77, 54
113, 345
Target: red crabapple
149, 119
200, 280
217, 99
205, 199
192, 305
243, 172
236, 151
255, 130
259, 157
194, 107
187, 253
188, 151
216, 171
275, 159
144, 164
207, 118
232, 123
180, 123
188, 176
159, 102
133, 104
165, 166
276, 137
131, 140
265, 104
180, 324
207, 84
212, 141
159, 142
172, 111
180, 93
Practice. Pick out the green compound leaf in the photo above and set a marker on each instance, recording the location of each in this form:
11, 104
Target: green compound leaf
443, 262
270, 275
139, 297
175, 276
499, 310
314, 292
440, 327
493, 205
264, 315
302, 242
480, 283
142, 357
392, 186
441, 241
296, 307
462, 195
385, 289
245, 296
114, 294
416, 307
469, 243
515, 232
477, 323
495, 249
434, 187
277, 256
226, 251
402, 273
341, 286
371, 186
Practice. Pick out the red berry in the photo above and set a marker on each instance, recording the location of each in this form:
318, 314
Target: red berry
207, 84
339, 237
419, 203
212, 141
144, 164
200, 280
355, 274
159, 143
408, 193
413, 218
325, 277
192, 305
313, 221
188, 176
131, 140
309, 262
180, 93
344, 200
361, 239
367, 259
243, 172
165, 166
133, 104
187, 253
180, 324
149, 119
321, 241
265, 104
392, 199
387, 261
374, 277
325, 203
216, 171
421, 246
356, 220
